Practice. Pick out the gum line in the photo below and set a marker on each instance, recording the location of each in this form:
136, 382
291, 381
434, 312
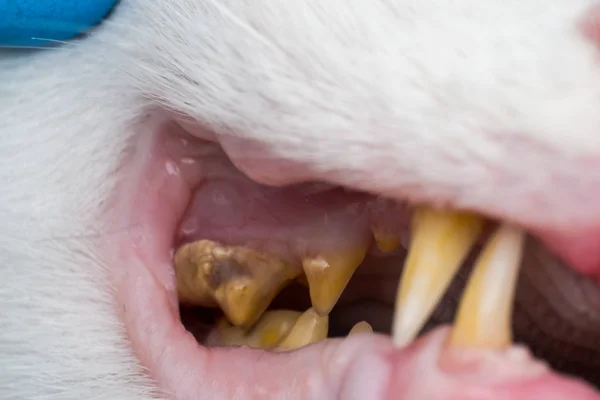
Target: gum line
293, 222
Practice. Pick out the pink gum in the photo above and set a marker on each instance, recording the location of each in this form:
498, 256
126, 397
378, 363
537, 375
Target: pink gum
293, 222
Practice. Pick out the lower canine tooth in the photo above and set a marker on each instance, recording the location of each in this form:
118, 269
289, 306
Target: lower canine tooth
328, 275
309, 328
270, 329
440, 242
484, 314
361, 327
240, 281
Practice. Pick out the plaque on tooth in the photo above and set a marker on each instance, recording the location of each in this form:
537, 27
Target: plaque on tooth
222, 271
241, 281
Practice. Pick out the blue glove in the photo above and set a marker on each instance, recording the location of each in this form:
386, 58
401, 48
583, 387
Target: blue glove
35, 23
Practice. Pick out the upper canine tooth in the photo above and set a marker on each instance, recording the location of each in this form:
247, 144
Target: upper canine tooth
440, 242
268, 331
485, 311
240, 281
309, 328
361, 327
328, 276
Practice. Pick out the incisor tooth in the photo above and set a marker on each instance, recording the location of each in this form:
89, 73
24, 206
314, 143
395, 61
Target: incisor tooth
328, 275
241, 281
361, 327
230, 335
485, 311
270, 329
386, 242
310, 328
440, 242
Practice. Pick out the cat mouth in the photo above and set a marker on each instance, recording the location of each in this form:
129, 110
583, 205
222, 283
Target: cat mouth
225, 276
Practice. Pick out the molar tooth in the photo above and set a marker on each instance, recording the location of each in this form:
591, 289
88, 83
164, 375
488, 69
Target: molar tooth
309, 328
241, 281
361, 327
268, 331
328, 276
440, 242
485, 311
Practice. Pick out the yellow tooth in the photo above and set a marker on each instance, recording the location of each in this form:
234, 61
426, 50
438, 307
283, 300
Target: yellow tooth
241, 281
440, 242
309, 328
485, 311
270, 329
361, 327
328, 275
386, 242
192, 286
386, 218
230, 335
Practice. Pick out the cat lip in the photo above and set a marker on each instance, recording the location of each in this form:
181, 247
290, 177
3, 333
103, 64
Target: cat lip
147, 293
180, 366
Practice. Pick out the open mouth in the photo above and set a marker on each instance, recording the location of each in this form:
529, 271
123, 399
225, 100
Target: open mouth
224, 275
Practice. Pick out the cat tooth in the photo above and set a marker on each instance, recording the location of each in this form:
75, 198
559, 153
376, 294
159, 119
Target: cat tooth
361, 327
329, 274
386, 242
387, 216
189, 264
241, 281
485, 311
230, 335
269, 330
440, 242
310, 327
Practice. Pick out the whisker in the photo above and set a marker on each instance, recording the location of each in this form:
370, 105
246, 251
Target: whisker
227, 12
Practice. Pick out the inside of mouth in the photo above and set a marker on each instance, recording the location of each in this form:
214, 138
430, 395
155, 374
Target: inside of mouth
216, 202
367, 298
295, 224
292, 224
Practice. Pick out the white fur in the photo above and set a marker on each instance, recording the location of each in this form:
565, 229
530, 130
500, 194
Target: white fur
483, 104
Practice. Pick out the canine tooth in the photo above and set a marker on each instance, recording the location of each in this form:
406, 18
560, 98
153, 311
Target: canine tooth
361, 327
241, 281
328, 276
485, 311
270, 329
309, 328
440, 242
